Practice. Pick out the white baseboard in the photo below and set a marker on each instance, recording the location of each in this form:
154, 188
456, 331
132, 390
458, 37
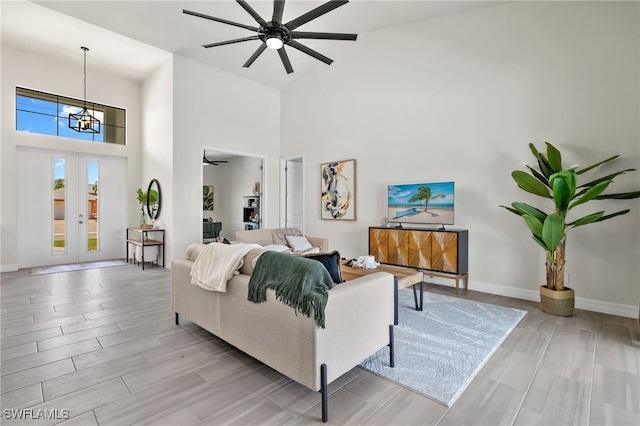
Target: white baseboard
629, 311
8, 268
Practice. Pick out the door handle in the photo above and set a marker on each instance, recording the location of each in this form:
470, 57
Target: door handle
80, 221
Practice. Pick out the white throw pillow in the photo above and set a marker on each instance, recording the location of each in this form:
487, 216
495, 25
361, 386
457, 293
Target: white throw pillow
277, 247
298, 243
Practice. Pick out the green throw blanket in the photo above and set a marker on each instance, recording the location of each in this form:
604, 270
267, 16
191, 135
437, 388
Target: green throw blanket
298, 282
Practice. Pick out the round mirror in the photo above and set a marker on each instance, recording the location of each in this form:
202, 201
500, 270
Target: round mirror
154, 199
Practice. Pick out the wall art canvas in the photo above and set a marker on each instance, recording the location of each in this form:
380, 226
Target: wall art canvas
338, 182
207, 197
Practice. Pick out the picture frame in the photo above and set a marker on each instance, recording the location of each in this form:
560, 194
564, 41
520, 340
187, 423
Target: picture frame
338, 190
207, 197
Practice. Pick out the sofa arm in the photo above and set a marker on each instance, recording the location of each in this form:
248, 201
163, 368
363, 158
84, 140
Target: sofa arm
323, 243
358, 315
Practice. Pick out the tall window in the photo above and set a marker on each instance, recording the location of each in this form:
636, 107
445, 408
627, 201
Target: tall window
48, 114
92, 205
59, 206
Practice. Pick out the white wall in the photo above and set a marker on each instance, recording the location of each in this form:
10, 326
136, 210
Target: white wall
459, 98
157, 145
216, 176
27, 70
217, 110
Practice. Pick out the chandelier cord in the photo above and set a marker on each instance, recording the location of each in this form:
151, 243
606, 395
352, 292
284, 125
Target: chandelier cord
84, 121
85, 77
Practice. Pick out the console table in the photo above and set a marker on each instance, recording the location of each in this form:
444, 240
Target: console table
438, 253
140, 237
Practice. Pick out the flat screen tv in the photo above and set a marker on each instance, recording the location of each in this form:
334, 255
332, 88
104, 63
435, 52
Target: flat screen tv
423, 203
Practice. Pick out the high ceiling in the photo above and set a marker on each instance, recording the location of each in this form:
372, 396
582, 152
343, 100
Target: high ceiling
148, 30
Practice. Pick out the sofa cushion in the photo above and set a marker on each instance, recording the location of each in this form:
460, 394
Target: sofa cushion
280, 234
194, 250
249, 261
256, 236
331, 261
298, 242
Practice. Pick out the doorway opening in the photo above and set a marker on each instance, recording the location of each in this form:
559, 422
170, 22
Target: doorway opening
292, 192
233, 193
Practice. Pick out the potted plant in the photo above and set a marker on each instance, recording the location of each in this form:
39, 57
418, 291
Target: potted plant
142, 199
560, 186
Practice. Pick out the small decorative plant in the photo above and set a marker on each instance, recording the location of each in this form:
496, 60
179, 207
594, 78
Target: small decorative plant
561, 187
142, 199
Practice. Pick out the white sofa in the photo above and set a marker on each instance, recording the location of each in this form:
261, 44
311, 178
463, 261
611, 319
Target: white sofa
358, 323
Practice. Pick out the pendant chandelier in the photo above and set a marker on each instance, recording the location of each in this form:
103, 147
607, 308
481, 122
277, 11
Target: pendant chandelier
84, 122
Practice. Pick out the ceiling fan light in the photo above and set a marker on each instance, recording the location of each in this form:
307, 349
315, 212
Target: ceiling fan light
274, 42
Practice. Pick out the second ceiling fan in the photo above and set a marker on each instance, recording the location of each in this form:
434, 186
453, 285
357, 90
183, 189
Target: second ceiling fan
276, 35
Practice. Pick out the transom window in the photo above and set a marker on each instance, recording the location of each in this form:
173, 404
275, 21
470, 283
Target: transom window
48, 114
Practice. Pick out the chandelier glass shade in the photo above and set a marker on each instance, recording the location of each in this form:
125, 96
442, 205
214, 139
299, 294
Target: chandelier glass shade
83, 121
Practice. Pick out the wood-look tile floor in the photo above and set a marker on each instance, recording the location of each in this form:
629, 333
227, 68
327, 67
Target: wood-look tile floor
100, 346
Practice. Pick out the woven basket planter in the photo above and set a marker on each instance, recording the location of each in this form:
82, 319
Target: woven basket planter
560, 303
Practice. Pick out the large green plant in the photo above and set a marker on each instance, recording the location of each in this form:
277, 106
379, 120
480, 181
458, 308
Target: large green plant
560, 185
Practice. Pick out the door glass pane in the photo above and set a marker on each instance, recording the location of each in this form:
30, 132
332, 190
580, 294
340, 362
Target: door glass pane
59, 207
92, 205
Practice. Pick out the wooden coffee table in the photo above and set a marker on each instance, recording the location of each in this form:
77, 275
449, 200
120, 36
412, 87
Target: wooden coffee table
402, 278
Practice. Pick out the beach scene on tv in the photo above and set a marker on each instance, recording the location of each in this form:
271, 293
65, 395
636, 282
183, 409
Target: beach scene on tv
421, 203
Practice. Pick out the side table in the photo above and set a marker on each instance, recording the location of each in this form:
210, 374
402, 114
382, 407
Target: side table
142, 240
402, 278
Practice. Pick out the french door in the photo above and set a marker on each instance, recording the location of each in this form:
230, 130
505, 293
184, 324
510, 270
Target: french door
71, 207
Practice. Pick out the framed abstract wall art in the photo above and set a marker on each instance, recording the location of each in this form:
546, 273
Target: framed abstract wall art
207, 197
338, 184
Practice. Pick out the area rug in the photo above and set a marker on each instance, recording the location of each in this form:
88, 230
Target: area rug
439, 350
54, 269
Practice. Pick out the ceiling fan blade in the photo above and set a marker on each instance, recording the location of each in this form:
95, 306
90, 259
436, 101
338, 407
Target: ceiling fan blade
278, 9
313, 14
323, 36
251, 12
237, 40
223, 21
310, 52
255, 55
285, 60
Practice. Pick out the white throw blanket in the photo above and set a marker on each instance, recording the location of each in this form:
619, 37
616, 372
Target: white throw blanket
216, 264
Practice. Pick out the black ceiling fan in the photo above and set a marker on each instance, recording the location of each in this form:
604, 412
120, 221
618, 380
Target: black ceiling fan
275, 35
206, 161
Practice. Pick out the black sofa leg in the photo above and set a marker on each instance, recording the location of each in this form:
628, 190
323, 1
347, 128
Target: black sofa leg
177, 318
392, 356
325, 393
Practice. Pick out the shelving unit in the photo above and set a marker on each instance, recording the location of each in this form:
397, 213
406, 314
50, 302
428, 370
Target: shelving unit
251, 212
